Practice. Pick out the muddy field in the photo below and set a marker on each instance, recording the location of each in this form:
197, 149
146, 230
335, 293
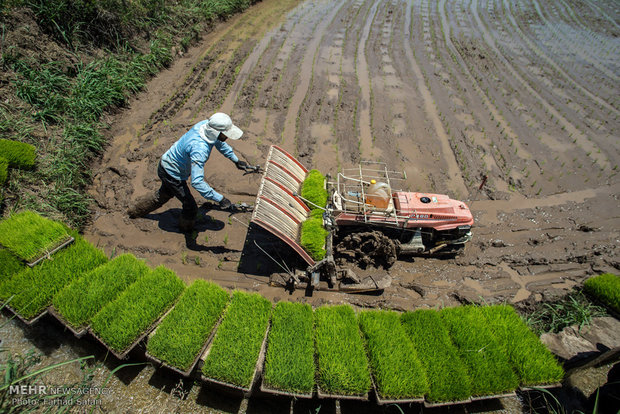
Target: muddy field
448, 92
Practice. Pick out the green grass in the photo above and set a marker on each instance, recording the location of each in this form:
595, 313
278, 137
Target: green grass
313, 237
9, 265
122, 321
313, 189
447, 374
534, 363
29, 235
395, 365
488, 365
606, 288
289, 363
82, 299
183, 333
4, 171
34, 288
342, 362
18, 154
237, 344
58, 101
573, 309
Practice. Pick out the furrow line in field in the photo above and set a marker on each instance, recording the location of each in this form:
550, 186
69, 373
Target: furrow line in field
456, 182
602, 13
589, 147
366, 136
570, 45
552, 63
307, 69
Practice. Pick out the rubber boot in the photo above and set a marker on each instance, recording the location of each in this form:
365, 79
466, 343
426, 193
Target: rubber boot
144, 205
186, 225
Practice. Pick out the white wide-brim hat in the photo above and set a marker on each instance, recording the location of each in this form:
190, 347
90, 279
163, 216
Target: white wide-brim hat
220, 122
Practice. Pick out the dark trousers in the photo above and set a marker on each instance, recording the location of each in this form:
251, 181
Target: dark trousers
171, 187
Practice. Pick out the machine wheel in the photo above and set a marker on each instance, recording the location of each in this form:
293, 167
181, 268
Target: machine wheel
368, 248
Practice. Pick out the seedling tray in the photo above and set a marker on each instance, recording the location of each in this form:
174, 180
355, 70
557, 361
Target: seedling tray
30, 321
384, 401
126, 351
189, 370
429, 404
322, 394
59, 245
236, 388
493, 396
77, 332
264, 388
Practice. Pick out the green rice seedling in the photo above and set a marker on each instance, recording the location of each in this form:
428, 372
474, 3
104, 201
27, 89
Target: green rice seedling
395, 365
78, 302
447, 374
4, 170
313, 189
33, 288
29, 235
488, 365
9, 265
238, 341
606, 288
313, 236
289, 363
184, 331
122, 321
342, 362
18, 154
534, 363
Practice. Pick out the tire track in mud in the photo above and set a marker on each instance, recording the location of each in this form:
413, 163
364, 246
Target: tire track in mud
456, 182
307, 70
552, 63
586, 145
602, 13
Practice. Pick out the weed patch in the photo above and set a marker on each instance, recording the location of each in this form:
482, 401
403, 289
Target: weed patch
237, 344
34, 288
184, 331
122, 321
606, 288
342, 362
29, 235
572, 309
534, 363
82, 299
447, 373
289, 363
396, 367
488, 365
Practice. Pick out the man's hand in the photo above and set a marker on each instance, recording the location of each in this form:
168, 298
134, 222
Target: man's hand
225, 204
242, 165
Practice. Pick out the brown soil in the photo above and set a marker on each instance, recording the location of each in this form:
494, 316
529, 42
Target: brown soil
336, 82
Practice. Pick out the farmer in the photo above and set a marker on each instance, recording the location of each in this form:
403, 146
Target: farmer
187, 157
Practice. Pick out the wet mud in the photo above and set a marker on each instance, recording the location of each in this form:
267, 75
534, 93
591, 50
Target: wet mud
447, 91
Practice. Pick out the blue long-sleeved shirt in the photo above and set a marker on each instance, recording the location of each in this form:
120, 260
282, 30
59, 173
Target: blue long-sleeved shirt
188, 156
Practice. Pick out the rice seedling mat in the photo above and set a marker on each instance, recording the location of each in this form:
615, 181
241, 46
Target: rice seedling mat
244, 391
429, 404
123, 354
385, 401
78, 333
199, 357
264, 388
47, 255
